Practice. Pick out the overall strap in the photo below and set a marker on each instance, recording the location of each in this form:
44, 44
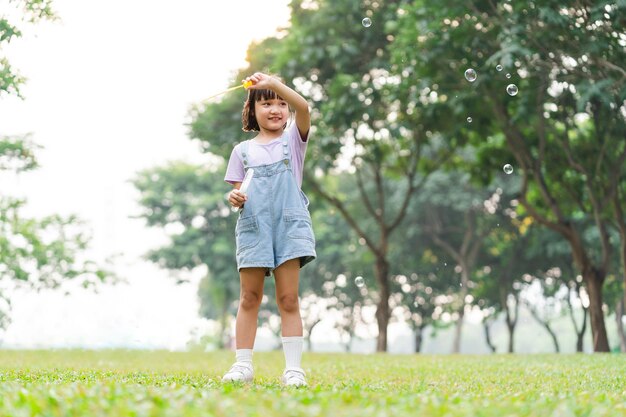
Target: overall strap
243, 153
285, 142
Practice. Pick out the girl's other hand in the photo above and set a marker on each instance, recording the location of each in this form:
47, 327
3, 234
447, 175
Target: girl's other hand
236, 198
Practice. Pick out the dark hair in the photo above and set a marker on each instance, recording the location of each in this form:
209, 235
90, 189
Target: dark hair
248, 118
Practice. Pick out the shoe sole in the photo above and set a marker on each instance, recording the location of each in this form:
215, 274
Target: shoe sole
243, 381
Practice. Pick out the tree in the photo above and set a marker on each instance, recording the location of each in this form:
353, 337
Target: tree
455, 219
564, 129
554, 270
504, 261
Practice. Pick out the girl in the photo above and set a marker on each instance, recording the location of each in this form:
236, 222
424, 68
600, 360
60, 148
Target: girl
273, 232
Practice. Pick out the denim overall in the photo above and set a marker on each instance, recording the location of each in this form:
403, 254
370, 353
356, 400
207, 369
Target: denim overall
274, 225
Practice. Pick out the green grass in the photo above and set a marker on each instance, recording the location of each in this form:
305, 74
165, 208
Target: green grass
122, 383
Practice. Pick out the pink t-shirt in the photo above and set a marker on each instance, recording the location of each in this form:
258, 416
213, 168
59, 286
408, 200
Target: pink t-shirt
269, 153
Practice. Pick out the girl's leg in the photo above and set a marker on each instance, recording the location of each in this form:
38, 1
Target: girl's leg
251, 293
251, 280
287, 276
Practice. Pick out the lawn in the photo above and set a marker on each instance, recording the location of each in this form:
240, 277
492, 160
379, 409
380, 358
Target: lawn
134, 383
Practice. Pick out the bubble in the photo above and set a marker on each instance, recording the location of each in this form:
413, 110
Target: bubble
508, 75
508, 169
367, 22
511, 89
469, 120
498, 67
359, 281
470, 75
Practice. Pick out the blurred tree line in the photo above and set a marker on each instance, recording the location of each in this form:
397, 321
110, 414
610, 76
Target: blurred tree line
35, 253
405, 167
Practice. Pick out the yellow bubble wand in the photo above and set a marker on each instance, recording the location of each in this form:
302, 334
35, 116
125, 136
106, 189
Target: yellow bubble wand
245, 84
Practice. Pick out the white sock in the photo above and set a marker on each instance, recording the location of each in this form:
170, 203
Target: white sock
292, 347
243, 355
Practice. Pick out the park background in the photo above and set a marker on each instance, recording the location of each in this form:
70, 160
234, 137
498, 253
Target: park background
409, 197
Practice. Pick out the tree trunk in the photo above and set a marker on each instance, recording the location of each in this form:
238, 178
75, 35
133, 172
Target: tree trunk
351, 338
619, 311
593, 278
418, 339
546, 325
579, 333
555, 340
487, 328
594, 281
510, 318
619, 314
456, 344
580, 336
621, 223
307, 334
511, 329
382, 310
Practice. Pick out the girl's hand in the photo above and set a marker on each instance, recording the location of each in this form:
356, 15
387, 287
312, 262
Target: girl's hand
260, 81
236, 198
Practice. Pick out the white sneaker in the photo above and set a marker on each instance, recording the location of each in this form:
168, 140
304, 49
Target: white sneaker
240, 371
294, 377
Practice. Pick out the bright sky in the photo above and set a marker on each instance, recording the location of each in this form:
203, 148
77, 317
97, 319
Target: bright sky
108, 91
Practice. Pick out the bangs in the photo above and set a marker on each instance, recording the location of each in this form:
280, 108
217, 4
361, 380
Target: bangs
262, 94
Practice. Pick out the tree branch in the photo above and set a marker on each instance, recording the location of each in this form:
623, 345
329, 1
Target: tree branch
346, 214
366, 200
415, 187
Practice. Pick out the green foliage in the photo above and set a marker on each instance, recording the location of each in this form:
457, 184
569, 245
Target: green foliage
124, 384
44, 253
29, 11
567, 65
17, 154
563, 132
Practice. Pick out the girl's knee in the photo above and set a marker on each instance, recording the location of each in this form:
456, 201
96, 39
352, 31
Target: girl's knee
288, 303
250, 300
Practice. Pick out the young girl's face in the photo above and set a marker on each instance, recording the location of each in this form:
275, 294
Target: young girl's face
271, 114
